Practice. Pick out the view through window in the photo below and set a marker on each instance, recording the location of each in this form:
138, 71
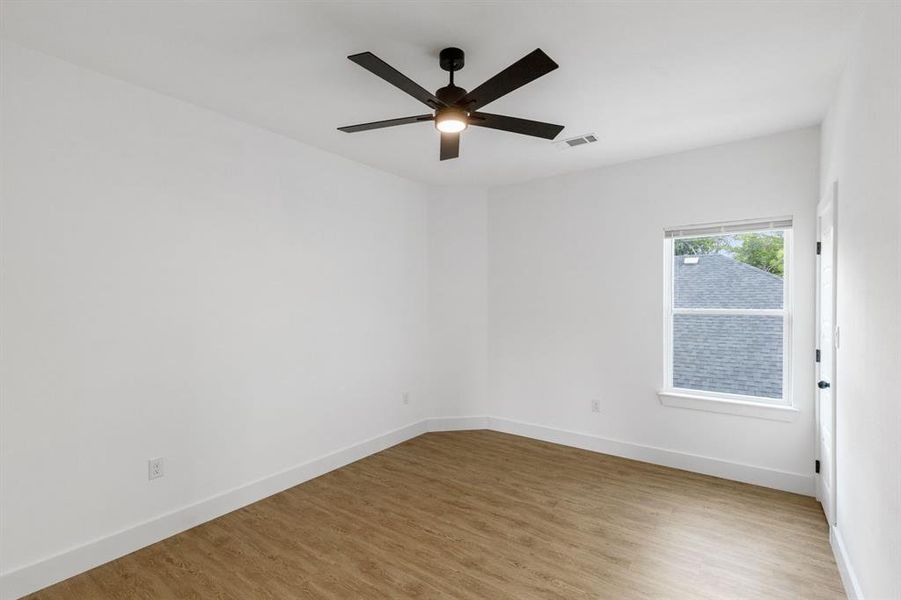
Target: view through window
728, 321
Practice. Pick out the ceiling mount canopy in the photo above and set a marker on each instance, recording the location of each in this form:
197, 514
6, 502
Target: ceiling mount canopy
453, 108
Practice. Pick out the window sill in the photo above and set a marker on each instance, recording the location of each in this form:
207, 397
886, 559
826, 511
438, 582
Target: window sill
772, 412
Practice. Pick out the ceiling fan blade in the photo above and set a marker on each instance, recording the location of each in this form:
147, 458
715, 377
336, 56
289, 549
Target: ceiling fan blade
547, 131
450, 145
377, 66
526, 69
387, 123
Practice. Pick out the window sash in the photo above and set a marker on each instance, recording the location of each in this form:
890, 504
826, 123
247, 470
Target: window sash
784, 312
773, 312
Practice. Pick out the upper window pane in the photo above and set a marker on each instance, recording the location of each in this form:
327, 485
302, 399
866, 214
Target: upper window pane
742, 270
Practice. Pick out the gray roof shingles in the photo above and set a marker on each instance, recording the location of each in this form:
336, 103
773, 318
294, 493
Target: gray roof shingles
737, 354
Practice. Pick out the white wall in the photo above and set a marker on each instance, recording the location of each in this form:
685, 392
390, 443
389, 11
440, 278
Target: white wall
862, 151
179, 284
575, 276
458, 294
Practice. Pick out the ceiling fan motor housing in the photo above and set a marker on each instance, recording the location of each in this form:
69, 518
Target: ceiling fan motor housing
449, 94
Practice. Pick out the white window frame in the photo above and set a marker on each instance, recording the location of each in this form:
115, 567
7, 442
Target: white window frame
752, 406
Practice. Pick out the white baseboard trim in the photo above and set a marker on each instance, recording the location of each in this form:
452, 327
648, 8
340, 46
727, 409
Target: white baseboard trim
458, 423
849, 579
45, 572
763, 476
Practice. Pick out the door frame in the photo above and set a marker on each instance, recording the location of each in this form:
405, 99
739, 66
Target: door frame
831, 196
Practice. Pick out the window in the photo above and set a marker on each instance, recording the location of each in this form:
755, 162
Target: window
727, 317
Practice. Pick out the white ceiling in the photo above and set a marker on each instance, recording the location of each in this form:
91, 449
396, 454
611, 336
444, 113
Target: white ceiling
648, 77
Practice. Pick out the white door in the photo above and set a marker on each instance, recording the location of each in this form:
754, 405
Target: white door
827, 342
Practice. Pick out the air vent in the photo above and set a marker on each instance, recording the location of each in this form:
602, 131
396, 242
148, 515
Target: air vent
573, 142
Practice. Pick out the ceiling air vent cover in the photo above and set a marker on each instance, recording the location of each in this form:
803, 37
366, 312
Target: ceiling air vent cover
580, 140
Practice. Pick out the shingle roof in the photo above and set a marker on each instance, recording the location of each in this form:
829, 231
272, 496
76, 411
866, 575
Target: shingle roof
738, 354
718, 281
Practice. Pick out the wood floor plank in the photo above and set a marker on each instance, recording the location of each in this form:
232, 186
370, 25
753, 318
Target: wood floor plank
481, 514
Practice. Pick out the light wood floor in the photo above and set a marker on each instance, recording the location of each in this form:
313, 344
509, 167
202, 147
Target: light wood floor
486, 515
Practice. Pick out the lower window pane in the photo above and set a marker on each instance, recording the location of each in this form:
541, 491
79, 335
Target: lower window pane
734, 354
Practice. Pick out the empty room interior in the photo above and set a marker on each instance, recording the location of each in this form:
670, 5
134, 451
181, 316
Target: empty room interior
477, 300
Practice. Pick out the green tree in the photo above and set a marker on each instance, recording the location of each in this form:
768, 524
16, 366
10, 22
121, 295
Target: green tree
696, 246
765, 251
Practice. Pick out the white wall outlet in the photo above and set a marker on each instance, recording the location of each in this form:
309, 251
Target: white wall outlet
154, 468
595, 406
406, 398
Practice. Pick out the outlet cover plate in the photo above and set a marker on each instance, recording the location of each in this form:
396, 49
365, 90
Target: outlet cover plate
154, 468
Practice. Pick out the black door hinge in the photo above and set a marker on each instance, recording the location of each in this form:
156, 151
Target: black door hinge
819, 247
818, 355
816, 466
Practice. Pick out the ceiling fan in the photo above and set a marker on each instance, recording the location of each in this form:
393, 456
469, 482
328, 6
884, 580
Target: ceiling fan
455, 108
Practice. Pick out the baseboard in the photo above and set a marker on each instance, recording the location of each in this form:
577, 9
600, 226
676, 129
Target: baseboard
849, 579
38, 575
771, 478
458, 423
45, 572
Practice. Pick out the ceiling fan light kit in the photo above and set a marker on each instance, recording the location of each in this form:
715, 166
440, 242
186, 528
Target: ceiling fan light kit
454, 109
451, 120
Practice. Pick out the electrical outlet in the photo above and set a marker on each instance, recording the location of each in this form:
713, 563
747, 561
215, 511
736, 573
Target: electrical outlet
154, 468
595, 406
406, 398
